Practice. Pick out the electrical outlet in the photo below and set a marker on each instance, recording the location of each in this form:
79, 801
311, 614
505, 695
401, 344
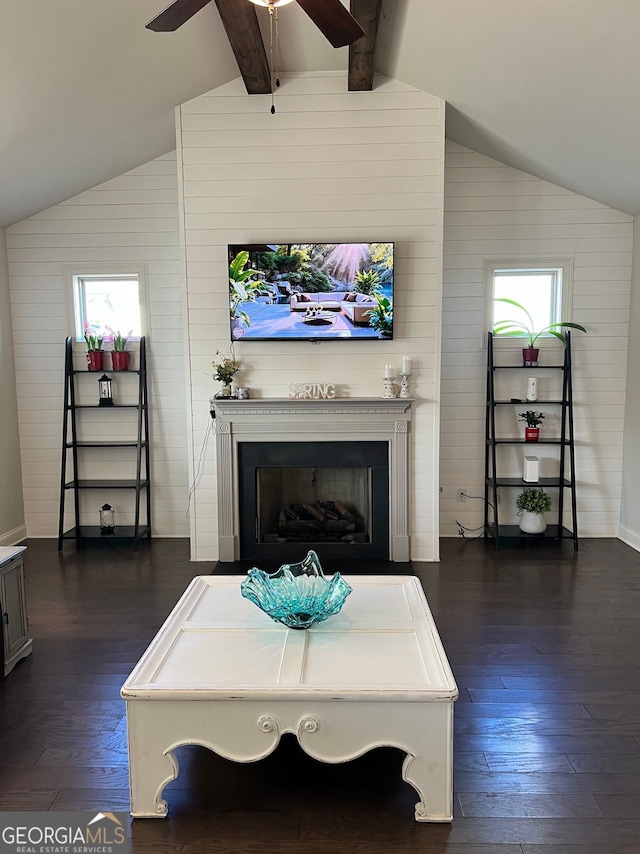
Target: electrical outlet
460, 496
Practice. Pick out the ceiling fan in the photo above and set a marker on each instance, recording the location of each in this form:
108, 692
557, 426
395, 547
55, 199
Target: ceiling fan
330, 16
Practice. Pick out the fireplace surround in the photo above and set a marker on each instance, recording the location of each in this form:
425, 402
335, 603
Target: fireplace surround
281, 420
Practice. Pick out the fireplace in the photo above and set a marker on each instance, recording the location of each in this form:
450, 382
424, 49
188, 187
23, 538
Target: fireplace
282, 483
332, 497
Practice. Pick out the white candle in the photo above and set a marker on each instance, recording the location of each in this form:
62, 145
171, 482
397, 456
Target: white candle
406, 364
388, 371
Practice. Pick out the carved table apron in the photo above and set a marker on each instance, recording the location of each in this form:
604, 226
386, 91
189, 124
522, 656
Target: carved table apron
222, 674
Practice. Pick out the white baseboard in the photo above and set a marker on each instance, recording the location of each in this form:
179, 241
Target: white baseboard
12, 538
631, 538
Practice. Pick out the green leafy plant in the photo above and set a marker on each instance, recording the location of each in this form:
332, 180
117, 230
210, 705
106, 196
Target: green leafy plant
518, 328
381, 317
242, 286
367, 281
534, 500
533, 419
310, 280
296, 267
225, 369
275, 264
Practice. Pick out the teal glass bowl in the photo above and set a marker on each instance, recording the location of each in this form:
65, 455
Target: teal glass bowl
298, 594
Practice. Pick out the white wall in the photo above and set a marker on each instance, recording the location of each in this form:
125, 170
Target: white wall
12, 528
494, 211
133, 218
329, 166
630, 511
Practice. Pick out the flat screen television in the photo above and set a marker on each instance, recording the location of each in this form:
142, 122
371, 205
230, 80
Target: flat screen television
311, 291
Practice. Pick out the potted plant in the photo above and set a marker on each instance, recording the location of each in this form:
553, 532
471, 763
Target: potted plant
223, 372
520, 328
381, 317
531, 504
95, 353
242, 288
119, 355
533, 421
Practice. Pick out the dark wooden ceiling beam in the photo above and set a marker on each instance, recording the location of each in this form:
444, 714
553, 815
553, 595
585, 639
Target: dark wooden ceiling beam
367, 14
243, 31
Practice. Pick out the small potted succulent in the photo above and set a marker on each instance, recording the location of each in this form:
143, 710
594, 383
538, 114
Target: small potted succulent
95, 353
223, 372
526, 328
533, 421
531, 504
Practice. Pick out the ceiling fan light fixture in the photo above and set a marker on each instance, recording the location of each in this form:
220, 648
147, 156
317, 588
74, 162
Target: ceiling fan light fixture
267, 3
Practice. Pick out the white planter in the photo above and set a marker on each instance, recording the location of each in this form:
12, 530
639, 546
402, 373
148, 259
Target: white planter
532, 523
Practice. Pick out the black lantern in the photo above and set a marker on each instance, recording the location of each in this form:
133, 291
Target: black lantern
105, 395
107, 519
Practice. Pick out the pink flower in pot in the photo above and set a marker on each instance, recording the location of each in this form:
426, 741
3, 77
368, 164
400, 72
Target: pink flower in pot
93, 339
119, 356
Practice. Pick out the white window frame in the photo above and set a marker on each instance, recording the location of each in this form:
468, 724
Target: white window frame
517, 266
72, 278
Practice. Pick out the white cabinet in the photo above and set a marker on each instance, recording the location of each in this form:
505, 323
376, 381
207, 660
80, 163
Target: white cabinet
16, 643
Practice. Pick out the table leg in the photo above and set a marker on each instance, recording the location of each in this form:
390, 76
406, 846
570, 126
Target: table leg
150, 766
428, 767
424, 731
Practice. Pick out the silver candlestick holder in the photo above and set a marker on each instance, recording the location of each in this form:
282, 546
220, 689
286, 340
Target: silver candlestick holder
388, 387
404, 385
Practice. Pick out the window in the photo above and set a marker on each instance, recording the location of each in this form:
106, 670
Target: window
106, 300
543, 288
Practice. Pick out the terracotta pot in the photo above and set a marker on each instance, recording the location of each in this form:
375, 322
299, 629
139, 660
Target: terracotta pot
532, 523
120, 360
530, 356
95, 360
531, 434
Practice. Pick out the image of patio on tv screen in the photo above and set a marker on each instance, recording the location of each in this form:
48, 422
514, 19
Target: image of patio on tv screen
311, 291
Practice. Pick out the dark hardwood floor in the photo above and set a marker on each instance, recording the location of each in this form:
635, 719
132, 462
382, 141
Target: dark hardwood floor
545, 647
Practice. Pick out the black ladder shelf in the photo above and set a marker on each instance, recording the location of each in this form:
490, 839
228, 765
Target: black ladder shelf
70, 481
510, 535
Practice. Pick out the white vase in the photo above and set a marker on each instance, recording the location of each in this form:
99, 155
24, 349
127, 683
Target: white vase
532, 523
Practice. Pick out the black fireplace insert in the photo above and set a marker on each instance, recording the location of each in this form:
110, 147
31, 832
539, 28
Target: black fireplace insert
332, 497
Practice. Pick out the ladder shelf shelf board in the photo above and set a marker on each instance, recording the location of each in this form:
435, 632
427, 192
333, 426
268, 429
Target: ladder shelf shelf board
75, 455
511, 535
94, 532
514, 482
563, 483
526, 442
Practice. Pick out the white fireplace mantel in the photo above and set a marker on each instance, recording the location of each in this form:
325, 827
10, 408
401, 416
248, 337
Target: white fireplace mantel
337, 419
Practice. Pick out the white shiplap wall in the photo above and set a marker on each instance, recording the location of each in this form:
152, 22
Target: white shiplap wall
329, 166
492, 212
12, 528
130, 219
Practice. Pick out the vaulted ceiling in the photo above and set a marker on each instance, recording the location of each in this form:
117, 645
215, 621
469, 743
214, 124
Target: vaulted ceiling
551, 88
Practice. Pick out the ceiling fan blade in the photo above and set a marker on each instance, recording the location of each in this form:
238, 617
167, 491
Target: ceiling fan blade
333, 21
175, 15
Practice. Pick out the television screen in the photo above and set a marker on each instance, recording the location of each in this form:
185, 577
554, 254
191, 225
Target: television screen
311, 291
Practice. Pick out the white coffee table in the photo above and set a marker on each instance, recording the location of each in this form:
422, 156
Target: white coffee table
222, 674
